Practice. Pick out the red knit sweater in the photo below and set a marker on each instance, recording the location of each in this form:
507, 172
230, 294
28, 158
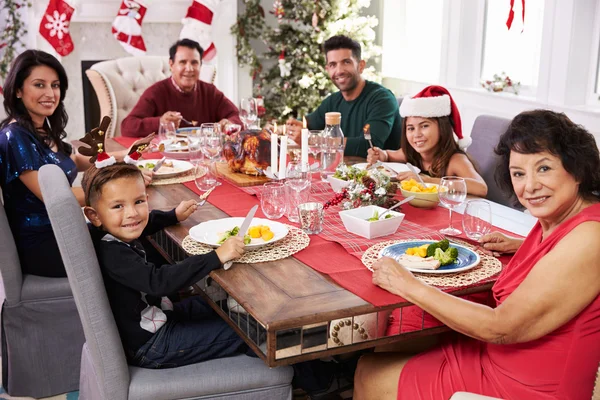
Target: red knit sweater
205, 103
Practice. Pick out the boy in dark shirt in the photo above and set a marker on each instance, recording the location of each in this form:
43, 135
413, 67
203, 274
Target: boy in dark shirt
154, 332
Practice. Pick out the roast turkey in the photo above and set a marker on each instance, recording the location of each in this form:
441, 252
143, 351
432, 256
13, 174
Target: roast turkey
247, 150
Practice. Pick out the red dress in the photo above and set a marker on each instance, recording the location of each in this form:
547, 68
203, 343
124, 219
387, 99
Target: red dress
560, 365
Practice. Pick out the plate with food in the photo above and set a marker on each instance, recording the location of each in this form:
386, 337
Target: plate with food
190, 130
431, 257
176, 148
168, 169
260, 233
391, 169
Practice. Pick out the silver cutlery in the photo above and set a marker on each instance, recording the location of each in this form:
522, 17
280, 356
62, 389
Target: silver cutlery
414, 171
192, 123
159, 164
367, 133
406, 200
204, 197
200, 203
243, 230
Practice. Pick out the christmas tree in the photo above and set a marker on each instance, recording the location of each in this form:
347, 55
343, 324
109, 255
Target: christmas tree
297, 83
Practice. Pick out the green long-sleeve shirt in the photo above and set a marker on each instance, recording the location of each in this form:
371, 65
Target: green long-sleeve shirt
376, 106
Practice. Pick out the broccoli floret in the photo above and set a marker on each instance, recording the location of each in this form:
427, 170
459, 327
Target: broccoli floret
389, 216
431, 249
444, 244
247, 239
452, 252
442, 257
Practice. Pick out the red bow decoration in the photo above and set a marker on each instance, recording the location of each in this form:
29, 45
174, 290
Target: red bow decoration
511, 14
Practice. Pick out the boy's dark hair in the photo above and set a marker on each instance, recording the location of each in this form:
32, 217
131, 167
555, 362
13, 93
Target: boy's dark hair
189, 43
95, 178
553, 132
342, 42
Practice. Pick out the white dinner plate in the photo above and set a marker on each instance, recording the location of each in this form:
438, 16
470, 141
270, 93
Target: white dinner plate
210, 232
179, 167
467, 258
396, 167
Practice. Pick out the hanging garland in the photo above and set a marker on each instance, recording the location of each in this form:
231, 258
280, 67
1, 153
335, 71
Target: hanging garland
14, 31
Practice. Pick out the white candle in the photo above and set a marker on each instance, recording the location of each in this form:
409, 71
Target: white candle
274, 139
283, 157
304, 145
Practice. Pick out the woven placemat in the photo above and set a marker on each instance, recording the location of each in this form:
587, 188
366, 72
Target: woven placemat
488, 266
187, 177
292, 243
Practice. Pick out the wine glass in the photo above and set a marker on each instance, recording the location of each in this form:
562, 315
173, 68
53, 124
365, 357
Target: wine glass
211, 145
249, 112
272, 200
452, 193
203, 178
477, 219
315, 144
297, 182
167, 131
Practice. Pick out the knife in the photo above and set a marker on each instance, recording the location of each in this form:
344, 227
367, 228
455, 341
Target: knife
243, 230
159, 164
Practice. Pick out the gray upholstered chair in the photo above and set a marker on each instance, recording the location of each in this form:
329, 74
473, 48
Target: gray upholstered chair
42, 335
485, 134
120, 83
104, 371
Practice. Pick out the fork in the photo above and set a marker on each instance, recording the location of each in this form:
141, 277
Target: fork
204, 197
192, 123
367, 133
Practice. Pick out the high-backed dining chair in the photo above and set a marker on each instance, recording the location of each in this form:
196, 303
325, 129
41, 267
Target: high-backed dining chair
42, 335
120, 83
104, 371
486, 132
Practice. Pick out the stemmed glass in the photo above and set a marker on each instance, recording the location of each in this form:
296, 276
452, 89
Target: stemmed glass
211, 145
272, 200
452, 193
477, 219
167, 131
297, 181
249, 112
315, 144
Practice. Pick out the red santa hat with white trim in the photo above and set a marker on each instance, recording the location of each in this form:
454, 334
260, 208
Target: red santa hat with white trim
435, 101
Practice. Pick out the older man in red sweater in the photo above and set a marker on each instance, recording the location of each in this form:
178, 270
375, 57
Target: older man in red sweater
182, 95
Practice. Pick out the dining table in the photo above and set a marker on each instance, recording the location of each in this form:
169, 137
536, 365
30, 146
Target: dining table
297, 308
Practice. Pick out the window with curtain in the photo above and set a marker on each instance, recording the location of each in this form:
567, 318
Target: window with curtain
516, 51
412, 39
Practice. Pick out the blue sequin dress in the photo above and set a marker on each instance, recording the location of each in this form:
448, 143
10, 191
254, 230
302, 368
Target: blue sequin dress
21, 151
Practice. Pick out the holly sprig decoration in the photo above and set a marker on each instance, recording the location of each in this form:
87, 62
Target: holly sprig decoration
14, 30
373, 187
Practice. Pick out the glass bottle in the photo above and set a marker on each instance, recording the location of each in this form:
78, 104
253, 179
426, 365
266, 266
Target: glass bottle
333, 144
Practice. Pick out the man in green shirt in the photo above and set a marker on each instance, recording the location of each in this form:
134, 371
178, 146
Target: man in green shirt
360, 102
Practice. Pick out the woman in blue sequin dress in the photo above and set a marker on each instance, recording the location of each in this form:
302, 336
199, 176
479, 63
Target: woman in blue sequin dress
30, 137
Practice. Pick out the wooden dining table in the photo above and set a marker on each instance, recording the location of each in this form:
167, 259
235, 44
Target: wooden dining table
284, 310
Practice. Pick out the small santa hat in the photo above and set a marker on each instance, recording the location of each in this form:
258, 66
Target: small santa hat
282, 55
103, 159
132, 158
435, 101
197, 25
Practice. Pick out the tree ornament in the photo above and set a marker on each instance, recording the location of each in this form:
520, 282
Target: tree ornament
54, 26
197, 25
278, 10
285, 68
127, 26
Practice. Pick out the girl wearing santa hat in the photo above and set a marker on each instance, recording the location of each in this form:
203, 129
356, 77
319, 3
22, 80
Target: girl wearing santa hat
432, 140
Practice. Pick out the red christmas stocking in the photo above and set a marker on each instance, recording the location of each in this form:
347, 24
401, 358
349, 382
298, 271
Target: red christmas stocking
54, 26
127, 26
197, 25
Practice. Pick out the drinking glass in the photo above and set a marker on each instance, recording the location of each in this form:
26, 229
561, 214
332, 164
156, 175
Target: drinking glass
249, 112
315, 144
272, 200
452, 193
295, 197
167, 131
297, 175
204, 178
477, 219
211, 144
194, 149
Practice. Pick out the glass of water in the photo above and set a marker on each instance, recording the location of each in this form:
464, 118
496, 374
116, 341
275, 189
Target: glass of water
477, 219
272, 200
452, 193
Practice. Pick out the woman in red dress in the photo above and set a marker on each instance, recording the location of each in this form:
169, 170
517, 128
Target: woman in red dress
542, 339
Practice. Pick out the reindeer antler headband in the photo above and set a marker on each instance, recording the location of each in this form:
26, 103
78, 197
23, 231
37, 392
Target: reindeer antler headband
95, 139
